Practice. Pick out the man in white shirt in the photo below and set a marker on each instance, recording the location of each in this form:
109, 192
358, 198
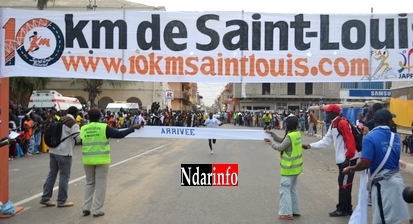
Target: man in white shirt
212, 122
341, 136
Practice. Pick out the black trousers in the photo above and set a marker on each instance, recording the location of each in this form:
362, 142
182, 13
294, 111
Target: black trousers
345, 184
209, 142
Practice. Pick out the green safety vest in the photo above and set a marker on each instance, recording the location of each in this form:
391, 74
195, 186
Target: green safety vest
292, 165
95, 145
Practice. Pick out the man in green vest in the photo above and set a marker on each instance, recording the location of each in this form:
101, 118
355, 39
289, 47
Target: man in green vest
96, 159
291, 162
235, 118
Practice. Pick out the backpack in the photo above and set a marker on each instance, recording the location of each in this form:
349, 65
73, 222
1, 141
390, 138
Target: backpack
357, 134
53, 133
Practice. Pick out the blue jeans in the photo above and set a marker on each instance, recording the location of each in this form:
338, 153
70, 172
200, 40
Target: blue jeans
37, 141
62, 165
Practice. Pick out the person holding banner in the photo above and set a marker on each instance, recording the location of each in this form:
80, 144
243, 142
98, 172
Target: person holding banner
212, 122
96, 159
340, 135
291, 162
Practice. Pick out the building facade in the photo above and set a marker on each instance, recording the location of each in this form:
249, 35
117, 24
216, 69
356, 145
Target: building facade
185, 96
279, 96
292, 96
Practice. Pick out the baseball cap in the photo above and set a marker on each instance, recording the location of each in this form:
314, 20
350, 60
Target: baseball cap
333, 108
382, 115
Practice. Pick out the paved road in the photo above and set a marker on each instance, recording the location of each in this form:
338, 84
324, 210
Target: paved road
144, 185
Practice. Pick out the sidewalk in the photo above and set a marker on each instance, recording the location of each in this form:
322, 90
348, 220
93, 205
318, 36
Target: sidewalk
406, 161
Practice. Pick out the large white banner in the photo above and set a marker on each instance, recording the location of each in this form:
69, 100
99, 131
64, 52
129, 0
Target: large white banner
206, 46
198, 133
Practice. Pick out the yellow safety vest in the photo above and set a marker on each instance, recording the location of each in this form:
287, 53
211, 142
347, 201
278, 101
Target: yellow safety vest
95, 145
292, 165
267, 117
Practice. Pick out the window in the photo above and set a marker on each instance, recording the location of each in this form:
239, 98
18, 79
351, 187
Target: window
372, 85
266, 89
388, 85
349, 85
308, 89
281, 106
291, 89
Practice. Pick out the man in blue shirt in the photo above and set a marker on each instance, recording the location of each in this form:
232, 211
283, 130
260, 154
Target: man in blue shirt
387, 184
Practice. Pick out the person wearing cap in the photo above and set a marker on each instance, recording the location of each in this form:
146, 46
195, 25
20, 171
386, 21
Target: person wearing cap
267, 119
387, 184
341, 136
96, 159
291, 163
61, 162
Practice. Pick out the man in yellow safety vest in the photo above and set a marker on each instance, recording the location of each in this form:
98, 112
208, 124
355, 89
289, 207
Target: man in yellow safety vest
96, 159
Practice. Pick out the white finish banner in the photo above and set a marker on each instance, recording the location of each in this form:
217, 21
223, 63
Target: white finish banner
206, 46
198, 133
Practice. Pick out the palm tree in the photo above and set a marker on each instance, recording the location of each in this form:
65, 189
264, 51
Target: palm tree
42, 4
94, 87
22, 87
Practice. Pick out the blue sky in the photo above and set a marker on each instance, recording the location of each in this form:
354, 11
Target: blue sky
210, 91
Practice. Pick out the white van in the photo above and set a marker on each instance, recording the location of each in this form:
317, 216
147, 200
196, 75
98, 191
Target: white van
115, 107
52, 99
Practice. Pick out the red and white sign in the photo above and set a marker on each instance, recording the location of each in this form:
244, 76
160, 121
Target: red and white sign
169, 94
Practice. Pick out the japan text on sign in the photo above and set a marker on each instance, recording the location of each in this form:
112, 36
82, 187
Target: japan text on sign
206, 47
169, 94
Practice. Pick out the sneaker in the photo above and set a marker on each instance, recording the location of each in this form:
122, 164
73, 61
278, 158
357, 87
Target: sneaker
350, 212
28, 154
212, 152
48, 203
337, 213
66, 204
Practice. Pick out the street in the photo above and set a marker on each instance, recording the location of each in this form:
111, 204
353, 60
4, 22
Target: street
144, 185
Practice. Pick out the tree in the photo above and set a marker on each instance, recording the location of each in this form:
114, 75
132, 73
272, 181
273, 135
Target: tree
94, 87
42, 4
22, 87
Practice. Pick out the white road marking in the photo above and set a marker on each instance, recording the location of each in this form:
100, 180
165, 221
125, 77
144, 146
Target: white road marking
36, 196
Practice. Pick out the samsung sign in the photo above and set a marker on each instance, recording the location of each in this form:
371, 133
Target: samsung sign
369, 93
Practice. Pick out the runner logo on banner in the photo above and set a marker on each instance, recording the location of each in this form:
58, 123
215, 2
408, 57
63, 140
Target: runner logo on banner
169, 94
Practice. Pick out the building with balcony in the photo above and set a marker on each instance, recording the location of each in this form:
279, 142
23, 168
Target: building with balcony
185, 96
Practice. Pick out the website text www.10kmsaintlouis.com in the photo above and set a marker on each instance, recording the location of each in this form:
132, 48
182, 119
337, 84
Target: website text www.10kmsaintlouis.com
153, 64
